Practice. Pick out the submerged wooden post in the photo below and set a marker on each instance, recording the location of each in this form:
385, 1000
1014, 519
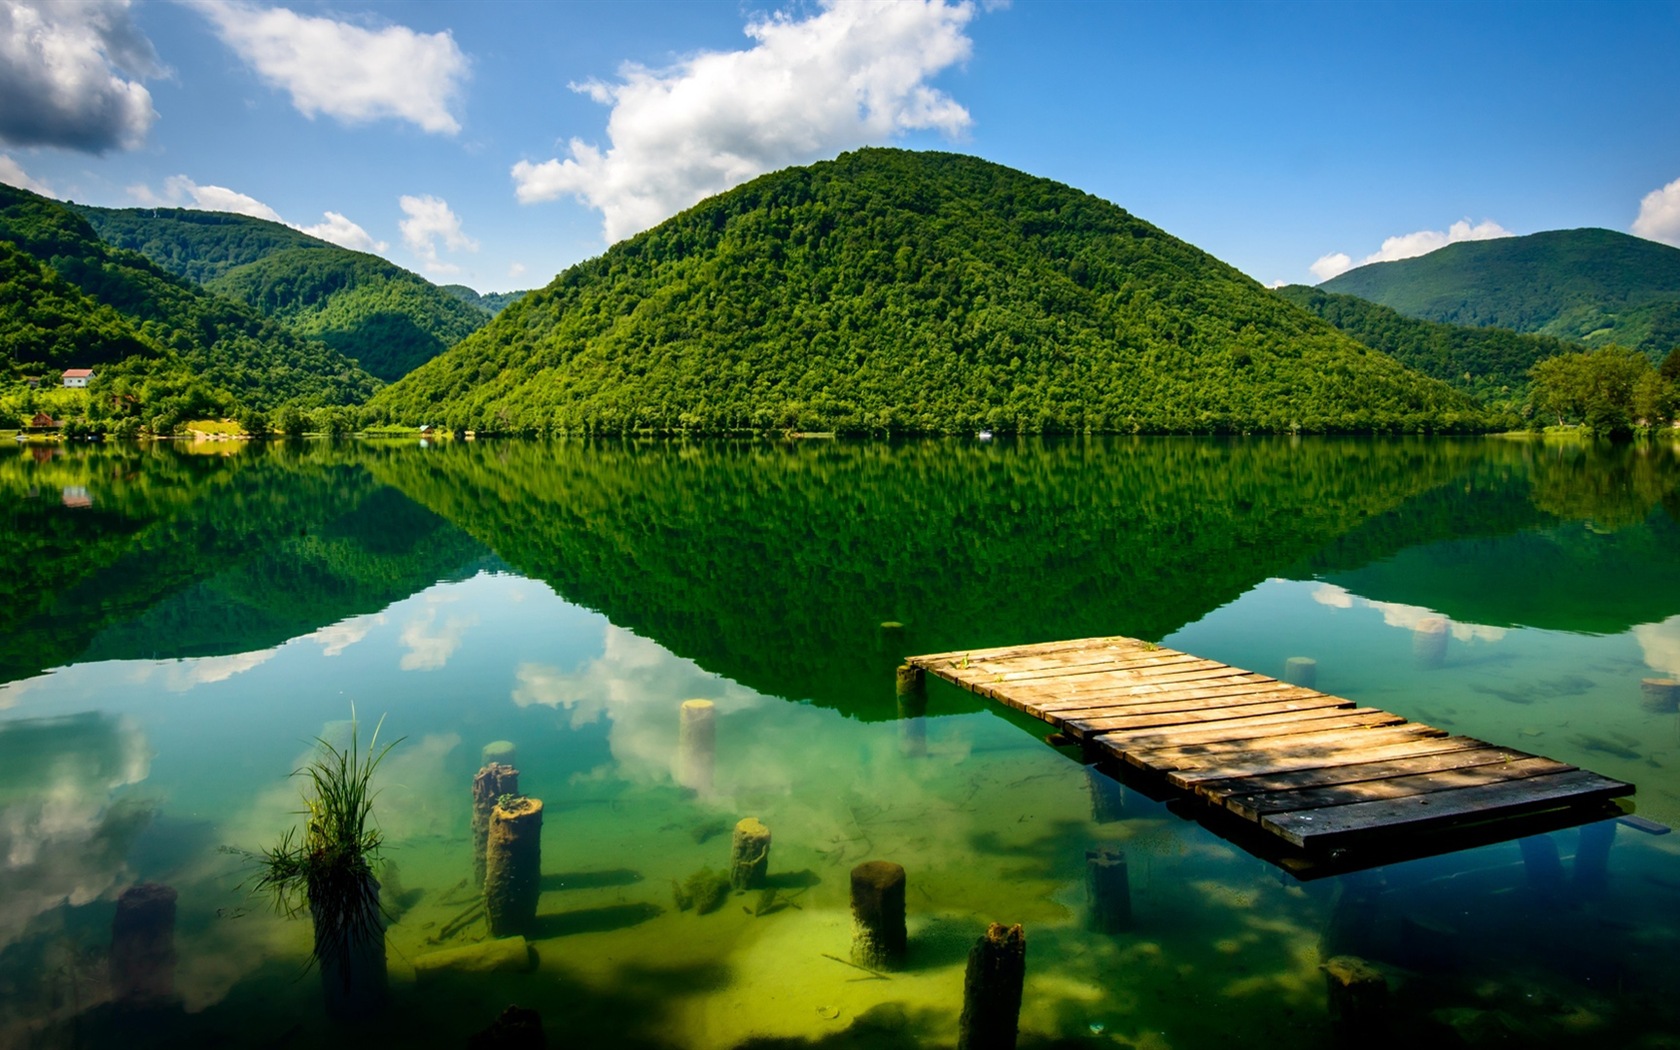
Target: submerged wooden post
697, 746
1358, 1004
1592, 857
878, 934
1108, 798
1301, 671
997, 970
143, 943
749, 854
911, 687
1541, 862
1660, 695
1108, 885
513, 866
1429, 641
489, 784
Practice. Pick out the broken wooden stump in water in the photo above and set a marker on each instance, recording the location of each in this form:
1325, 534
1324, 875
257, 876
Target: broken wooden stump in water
697, 746
489, 785
1660, 695
513, 866
1429, 641
997, 970
503, 955
143, 943
1358, 1003
749, 854
878, 934
1301, 671
1108, 885
911, 688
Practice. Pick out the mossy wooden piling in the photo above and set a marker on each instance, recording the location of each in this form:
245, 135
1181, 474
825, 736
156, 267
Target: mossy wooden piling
992, 987
513, 866
749, 854
489, 785
1305, 778
878, 932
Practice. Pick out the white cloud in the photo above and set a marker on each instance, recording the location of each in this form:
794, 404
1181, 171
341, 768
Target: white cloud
851, 74
12, 174
69, 75
429, 220
1410, 245
337, 637
429, 646
182, 192
349, 73
1659, 215
1330, 265
344, 233
516, 269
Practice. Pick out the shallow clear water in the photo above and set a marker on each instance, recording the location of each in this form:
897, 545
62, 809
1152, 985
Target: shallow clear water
179, 625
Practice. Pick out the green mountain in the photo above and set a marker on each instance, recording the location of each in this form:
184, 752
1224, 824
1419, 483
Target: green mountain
491, 303
891, 291
1588, 286
385, 317
170, 347
1487, 363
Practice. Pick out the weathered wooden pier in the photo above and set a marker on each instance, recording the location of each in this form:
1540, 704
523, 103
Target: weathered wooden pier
1313, 782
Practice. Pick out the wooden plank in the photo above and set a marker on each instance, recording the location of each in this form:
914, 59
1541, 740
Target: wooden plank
1154, 692
927, 660
1342, 825
1060, 664
1329, 744
1484, 754
1312, 720
1078, 675
1107, 684
1253, 807
1237, 702
1197, 713
1187, 779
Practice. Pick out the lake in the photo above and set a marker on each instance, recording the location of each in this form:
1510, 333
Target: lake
182, 622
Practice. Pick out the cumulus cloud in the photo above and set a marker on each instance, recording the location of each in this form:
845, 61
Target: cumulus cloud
344, 233
12, 174
429, 645
1410, 245
429, 221
1659, 215
349, 73
70, 75
850, 74
182, 192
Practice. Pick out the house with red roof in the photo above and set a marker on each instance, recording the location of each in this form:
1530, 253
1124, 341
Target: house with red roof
78, 377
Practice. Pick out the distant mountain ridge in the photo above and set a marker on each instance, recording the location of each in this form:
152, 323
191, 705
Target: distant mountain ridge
1487, 363
169, 347
389, 319
1589, 286
893, 291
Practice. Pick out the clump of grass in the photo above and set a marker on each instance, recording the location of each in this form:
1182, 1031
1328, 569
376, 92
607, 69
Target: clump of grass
703, 891
328, 872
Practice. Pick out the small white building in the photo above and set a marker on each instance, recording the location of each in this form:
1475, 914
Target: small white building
78, 376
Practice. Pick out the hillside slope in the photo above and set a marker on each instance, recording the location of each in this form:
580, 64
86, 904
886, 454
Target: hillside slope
1589, 286
1487, 363
911, 292
388, 319
147, 324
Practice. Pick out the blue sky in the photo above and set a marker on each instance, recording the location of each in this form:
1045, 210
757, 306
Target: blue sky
494, 144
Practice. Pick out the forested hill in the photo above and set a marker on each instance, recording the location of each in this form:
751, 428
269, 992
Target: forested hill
1590, 286
389, 319
1488, 363
888, 290
169, 347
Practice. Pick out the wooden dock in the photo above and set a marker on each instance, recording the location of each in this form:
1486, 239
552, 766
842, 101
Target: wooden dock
1315, 772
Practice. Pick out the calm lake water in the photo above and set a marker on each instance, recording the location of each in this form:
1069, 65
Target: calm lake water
180, 624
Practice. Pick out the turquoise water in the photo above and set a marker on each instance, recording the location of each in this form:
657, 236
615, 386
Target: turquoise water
180, 624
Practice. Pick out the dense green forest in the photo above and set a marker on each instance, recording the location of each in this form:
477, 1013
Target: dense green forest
1490, 364
391, 321
891, 291
491, 303
388, 319
1588, 286
198, 353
